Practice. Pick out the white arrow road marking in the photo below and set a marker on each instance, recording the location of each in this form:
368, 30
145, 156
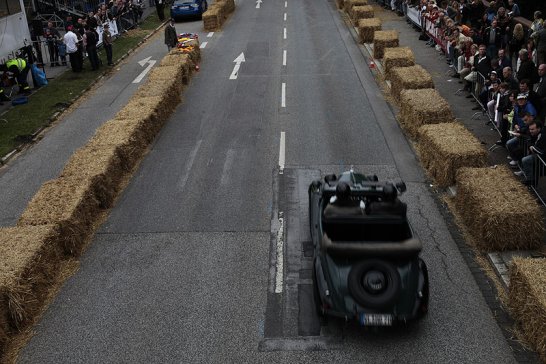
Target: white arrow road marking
258, 4
203, 45
142, 63
240, 59
284, 57
210, 35
283, 95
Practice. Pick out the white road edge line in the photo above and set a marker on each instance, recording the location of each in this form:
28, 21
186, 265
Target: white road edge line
203, 45
279, 264
210, 35
283, 95
284, 57
284, 33
282, 152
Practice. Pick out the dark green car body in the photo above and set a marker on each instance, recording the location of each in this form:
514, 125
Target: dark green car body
366, 259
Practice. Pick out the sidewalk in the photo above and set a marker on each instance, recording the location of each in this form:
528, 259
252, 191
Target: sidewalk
435, 63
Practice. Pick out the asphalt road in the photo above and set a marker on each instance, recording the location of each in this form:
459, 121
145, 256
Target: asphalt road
183, 269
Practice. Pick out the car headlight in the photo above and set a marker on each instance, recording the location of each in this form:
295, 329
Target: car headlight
195, 6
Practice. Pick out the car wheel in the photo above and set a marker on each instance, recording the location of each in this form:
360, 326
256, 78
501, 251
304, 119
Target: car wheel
374, 284
330, 178
423, 306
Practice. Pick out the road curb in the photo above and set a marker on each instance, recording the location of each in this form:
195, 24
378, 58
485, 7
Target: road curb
56, 116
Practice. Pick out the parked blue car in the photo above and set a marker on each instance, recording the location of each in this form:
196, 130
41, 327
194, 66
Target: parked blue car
181, 9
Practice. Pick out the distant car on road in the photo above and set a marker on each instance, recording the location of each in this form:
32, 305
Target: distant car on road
186, 9
366, 263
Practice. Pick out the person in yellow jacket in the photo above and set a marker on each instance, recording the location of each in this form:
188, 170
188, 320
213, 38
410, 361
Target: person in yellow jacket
19, 68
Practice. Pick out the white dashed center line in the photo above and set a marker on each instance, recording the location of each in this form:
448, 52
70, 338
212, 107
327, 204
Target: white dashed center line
283, 95
282, 152
284, 16
203, 45
284, 57
286, 4
284, 33
210, 35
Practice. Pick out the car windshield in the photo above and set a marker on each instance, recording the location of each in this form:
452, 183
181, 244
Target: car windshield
184, 2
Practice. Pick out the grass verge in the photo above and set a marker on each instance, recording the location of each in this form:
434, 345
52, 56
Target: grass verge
21, 121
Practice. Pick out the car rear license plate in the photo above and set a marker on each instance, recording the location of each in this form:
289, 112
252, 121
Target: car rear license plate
375, 319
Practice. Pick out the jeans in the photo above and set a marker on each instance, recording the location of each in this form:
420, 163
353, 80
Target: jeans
515, 149
528, 166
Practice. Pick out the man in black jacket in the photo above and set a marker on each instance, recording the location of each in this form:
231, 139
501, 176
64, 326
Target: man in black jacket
538, 148
527, 69
492, 37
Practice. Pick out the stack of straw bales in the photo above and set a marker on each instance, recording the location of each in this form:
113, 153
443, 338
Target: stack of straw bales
423, 106
361, 12
384, 39
348, 4
397, 57
30, 260
69, 204
409, 78
63, 213
367, 29
527, 299
340, 4
217, 13
498, 210
212, 18
444, 148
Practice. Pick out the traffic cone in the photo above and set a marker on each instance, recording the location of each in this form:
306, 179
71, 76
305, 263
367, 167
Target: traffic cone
372, 64
196, 68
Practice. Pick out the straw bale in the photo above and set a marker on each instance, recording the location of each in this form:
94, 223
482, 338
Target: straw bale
446, 147
498, 210
384, 39
181, 60
340, 4
149, 113
70, 205
29, 264
167, 74
128, 137
229, 6
100, 164
367, 29
350, 3
409, 78
397, 57
527, 300
361, 12
168, 92
212, 18
423, 106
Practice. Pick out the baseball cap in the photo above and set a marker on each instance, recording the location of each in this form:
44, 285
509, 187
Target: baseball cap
522, 97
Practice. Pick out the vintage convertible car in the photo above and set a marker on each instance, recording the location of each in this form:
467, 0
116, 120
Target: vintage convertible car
366, 259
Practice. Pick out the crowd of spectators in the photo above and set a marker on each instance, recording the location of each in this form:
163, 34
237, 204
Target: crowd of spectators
502, 66
126, 14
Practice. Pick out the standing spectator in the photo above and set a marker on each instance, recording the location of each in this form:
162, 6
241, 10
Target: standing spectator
532, 96
513, 9
504, 108
91, 47
171, 39
503, 22
489, 14
516, 41
538, 22
541, 87
527, 69
71, 42
159, 7
539, 38
482, 62
52, 36
508, 77
504, 60
538, 148
107, 43
492, 37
